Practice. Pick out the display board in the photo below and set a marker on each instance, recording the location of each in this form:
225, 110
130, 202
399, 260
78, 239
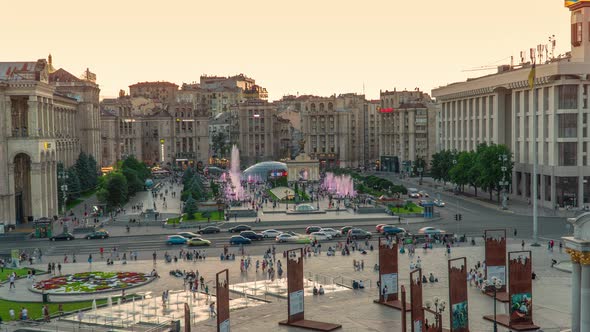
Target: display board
458, 304
222, 294
416, 308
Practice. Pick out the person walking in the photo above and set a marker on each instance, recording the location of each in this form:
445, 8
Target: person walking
46, 316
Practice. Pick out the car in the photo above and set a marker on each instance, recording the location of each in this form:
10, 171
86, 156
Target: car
100, 234
62, 237
176, 239
252, 235
209, 230
238, 239
379, 227
272, 233
284, 237
319, 236
392, 230
240, 228
344, 230
422, 201
197, 241
423, 194
413, 193
357, 233
430, 230
331, 231
439, 203
311, 229
188, 235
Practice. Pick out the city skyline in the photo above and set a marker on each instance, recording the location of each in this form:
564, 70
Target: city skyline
332, 47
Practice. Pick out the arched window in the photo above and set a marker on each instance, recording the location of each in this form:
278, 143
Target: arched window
330, 106
313, 107
321, 107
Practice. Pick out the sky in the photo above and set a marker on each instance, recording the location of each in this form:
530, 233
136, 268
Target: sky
316, 47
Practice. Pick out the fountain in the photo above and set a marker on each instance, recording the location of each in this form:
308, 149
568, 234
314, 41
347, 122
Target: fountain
236, 191
340, 185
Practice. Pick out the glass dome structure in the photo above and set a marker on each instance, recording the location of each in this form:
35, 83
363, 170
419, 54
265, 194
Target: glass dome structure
265, 170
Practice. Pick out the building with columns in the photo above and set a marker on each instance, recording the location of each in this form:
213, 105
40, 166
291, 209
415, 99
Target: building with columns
501, 108
41, 112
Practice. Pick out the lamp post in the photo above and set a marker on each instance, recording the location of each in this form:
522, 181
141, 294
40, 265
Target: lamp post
493, 286
63, 175
439, 308
287, 199
504, 159
420, 170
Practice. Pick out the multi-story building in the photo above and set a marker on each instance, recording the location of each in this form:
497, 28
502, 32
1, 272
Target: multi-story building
334, 129
370, 146
48, 117
163, 92
502, 108
259, 133
407, 121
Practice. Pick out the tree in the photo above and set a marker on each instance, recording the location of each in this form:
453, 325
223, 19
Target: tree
190, 207
83, 169
490, 166
134, 184
441, 165
92, 171
219, 144
73, 182
141, 168
116, 189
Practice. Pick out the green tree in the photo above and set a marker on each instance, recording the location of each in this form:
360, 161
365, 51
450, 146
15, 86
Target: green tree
82, 168
460, 171
92, 171
134, 184
490, 166
190, 207
219, 144
73, 182
141, 168
441, 165
116, 189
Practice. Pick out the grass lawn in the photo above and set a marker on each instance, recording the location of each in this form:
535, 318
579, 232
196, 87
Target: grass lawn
198, 217
35, 308
22, 272
406, 209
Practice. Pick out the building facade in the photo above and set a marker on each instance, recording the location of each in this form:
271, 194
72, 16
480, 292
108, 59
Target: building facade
503, 109
163, 92
45, 114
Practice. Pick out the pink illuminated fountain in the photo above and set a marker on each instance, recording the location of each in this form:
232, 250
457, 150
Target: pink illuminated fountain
340, 185
235, 191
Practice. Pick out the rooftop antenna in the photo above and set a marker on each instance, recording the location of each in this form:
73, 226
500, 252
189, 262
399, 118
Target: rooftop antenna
522, 57
552, 41
540, 51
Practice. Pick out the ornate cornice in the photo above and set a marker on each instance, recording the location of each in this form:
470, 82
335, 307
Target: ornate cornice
579, 256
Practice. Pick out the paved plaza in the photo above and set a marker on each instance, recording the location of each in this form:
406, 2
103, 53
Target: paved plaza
354, 309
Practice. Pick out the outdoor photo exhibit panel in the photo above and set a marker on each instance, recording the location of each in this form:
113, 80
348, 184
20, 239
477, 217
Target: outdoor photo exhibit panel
417, 309
520, 290
495, 255
458, 304
388, 273
295, 297
222, 294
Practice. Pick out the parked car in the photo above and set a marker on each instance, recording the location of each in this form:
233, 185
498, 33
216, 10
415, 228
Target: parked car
413, 193
379, 227
188, 235
344, 230
284, 237
423, 194
430, 230
252, 235
272, 233
209, 230
439, 203
331, 231
197, 241
311, 229
238, 239
240, 228
357, 233
100, 234
392, 230
320, 236
62, 237
176, 239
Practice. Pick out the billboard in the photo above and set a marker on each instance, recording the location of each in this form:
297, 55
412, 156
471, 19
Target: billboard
569, 3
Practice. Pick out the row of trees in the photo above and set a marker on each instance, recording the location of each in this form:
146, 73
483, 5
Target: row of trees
481, 168
79, 178
123, 182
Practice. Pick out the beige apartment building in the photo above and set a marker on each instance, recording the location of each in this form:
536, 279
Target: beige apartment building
407, 129
49, 116
163, 92
501, 108
259, 133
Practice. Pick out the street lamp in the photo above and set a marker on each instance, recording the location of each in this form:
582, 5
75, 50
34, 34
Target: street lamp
439, 308
63, 175
287, 198
493, 286
504, 159
420, 170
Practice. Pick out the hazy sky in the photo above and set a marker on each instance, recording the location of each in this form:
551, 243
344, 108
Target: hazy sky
307, 46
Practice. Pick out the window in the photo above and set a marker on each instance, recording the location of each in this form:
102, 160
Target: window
577, 34
568, 96
567, 125
568, 153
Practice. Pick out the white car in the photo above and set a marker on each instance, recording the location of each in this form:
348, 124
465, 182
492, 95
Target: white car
320, 236
332, 232
284, 237
272, 233
430, 230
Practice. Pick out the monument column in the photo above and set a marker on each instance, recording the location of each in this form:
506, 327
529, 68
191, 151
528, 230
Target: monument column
576, 296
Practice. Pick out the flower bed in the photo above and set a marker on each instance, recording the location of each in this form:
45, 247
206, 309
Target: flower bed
90, 282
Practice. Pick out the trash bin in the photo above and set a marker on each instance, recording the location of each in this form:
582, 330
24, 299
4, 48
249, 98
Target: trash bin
45, 297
